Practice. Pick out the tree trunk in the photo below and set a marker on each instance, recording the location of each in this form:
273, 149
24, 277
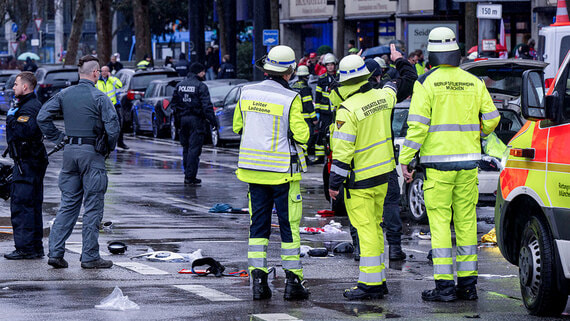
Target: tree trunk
142, 29
103, 9
75, 35
470, 25
222, 27
274, 13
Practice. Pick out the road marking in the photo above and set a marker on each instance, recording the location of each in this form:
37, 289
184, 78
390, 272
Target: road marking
210, 294
490, 276
179, 200
412, 250
76, 247
141, 268
274, 317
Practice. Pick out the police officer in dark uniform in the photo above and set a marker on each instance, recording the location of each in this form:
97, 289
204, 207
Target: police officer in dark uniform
227, 69
192, 106
30, 159
182, 65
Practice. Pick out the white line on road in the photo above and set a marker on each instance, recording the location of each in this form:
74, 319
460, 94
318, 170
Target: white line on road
76, 247
179, 200
412, 250
210, 294
141, 268
274, 317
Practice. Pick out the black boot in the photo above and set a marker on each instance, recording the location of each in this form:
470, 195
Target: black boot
468, 293
294, 288
444, 292
396, 253
384, 287
261, 289
365, 292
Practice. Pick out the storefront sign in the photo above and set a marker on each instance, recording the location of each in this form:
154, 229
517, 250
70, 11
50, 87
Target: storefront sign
368, 7
310, 8
417, 34
420, 5
489, 11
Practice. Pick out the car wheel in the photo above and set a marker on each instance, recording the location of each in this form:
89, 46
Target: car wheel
173, 131
155, 130
416, 205
537, 271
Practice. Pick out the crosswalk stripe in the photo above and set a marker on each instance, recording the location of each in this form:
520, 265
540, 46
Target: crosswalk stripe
210, 294
76, 247
141, 268
274, 317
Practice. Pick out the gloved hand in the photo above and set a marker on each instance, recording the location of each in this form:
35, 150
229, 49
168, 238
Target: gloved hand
12, 111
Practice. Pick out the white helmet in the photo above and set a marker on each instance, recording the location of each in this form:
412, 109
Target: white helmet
279, 61
443, 48
351, 67
329, 59
302, 71
381, 62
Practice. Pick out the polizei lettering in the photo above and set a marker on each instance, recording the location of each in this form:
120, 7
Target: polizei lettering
454, 85
187, 89
374, 107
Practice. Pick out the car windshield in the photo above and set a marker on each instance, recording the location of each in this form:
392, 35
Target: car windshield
503, 80
5, 77
70, 75
140, 82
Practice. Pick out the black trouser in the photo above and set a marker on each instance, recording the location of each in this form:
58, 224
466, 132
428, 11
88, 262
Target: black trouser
192, 131
119, 110
27, 195
325, 120
312, 138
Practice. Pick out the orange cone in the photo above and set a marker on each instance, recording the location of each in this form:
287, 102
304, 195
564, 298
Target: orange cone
561, 14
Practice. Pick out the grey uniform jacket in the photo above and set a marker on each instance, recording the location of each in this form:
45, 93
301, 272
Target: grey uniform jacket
82, 105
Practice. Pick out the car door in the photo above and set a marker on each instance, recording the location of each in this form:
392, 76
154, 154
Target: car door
226, 117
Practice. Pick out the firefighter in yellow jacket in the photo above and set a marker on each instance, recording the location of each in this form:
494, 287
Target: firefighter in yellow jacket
445, 127
268, 117
363, 159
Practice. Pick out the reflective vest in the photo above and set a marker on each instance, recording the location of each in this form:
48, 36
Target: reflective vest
305, 92
265, 143
444, 122
420, 68
109, 87
362, 137
143, 64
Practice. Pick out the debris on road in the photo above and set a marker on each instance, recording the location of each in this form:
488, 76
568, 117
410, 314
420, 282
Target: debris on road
490, 237
167, 256
117, 301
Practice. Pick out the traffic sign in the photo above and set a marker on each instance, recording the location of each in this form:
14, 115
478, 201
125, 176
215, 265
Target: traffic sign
489, 44
38, 22
489, 11
35, 42
14, 28
14, 46
270, 37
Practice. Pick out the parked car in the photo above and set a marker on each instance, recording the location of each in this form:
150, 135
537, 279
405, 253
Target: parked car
153, 113
5, 75
52, 80
225, 116
532, 211
219, 89
135, 83
7, 95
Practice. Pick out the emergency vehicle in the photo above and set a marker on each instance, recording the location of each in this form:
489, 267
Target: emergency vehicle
532, 210
554, 42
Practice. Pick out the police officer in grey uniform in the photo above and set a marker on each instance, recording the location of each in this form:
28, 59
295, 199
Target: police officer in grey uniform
86, 111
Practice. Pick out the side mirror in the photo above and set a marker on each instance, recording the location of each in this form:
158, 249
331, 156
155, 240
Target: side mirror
533, 102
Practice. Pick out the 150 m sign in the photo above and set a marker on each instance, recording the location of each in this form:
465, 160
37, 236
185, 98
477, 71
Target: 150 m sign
489, 11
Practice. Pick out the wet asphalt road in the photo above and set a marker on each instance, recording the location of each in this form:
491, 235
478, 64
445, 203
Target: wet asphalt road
151, 209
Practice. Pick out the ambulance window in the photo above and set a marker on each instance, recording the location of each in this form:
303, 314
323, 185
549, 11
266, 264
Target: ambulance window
564, 47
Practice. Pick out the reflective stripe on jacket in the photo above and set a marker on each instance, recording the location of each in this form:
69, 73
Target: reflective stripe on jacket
444, 122
362, 138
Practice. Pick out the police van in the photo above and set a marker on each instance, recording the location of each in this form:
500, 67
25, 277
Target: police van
532, 211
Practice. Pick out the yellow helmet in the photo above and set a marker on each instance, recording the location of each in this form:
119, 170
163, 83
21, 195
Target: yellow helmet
352, 67
302, 71
279, 61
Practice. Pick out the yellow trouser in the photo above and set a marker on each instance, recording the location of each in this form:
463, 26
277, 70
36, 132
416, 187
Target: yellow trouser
364, 209
444, 190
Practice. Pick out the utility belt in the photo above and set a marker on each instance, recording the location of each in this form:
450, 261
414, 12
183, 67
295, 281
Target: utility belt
82, 141
25, 149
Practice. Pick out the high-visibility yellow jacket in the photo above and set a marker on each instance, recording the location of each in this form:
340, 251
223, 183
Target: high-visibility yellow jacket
443, 120
143, 64
266, 115
109, 87
420, 68
362, 137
